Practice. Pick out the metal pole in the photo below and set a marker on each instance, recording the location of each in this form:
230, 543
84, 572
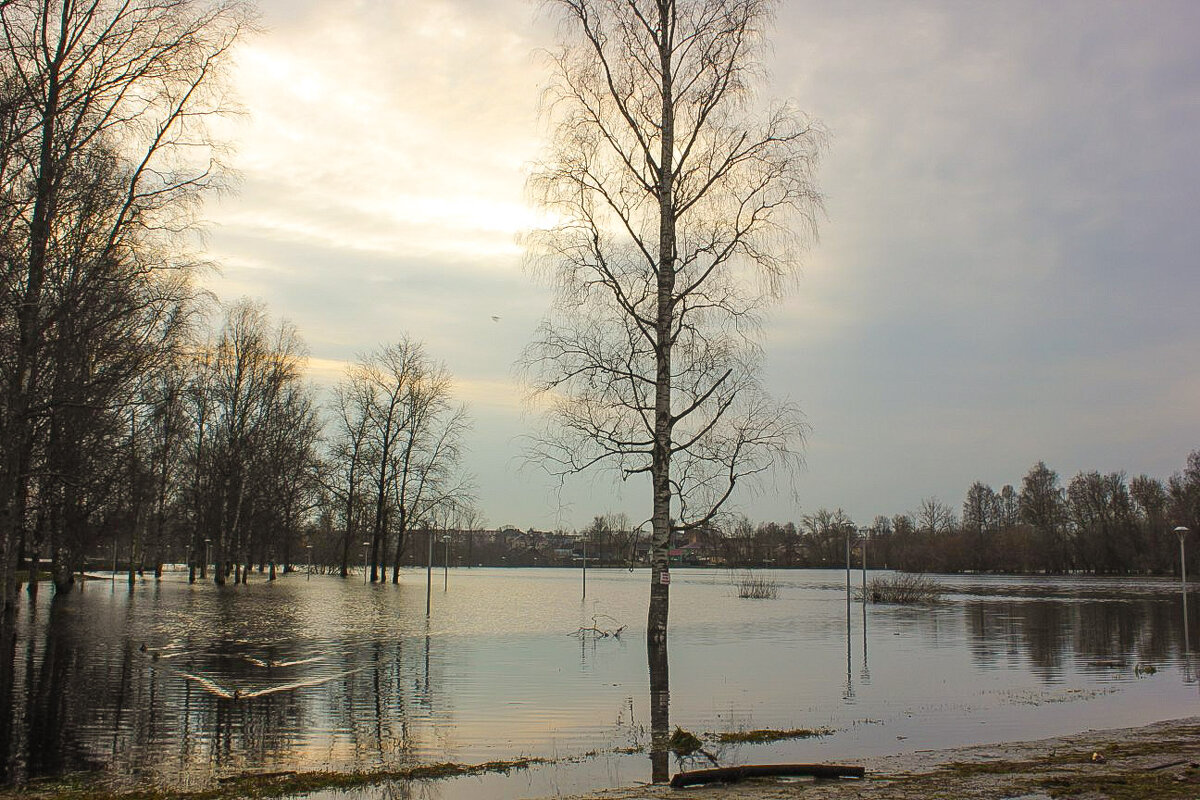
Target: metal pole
847, 582
1182, 533
309, 546
429, 574
585, 569
1182, 564
864, 566
445, 563
365, 545
114, 575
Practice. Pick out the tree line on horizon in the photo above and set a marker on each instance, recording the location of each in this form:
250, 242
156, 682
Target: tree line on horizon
1099, 523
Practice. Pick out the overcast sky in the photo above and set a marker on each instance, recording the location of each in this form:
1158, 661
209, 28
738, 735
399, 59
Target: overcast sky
1006, 274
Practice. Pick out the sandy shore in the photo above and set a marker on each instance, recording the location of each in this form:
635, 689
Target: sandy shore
1156, 762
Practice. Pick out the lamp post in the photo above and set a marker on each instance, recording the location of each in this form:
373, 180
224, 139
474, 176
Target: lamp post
204, 566
309, 548
365, 546
585, 567
114, 575
865, 533
849, 533
429, 572
1182, 533
445, 561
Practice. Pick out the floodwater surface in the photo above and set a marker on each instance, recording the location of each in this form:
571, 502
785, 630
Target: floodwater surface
182, 684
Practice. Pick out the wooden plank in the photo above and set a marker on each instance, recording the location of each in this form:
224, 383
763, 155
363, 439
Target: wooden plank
734, 774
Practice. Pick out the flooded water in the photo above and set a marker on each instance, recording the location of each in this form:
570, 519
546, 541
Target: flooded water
186, 683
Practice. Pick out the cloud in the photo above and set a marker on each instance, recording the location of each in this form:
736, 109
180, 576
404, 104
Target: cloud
1006, 274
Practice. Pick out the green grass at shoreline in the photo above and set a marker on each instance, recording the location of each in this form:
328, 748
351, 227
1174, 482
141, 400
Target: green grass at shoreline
87, 786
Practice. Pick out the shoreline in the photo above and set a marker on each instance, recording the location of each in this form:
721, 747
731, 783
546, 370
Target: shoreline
1160, 761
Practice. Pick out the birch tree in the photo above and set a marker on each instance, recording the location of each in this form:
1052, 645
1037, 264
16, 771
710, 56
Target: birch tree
401, 431
679, 205
104, 154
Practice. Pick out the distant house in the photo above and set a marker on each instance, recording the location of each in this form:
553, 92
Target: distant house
692, 553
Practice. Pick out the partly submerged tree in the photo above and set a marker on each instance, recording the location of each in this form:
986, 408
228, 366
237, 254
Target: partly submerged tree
255, 441
677, 210
398, 445
104, 154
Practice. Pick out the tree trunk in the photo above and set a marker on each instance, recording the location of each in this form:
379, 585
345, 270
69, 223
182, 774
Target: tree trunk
660, 578
399, 544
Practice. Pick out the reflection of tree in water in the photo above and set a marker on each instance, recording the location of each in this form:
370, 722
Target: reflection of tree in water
660, 708
378, 692
50, 690
1094, 634
88, 693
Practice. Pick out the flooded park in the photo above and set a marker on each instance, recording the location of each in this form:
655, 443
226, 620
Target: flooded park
182, 685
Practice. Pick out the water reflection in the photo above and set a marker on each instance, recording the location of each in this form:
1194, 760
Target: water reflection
186, 683
1059, 638
1187, 639
660, 711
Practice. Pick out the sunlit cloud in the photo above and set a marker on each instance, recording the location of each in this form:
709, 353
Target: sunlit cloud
1006, 272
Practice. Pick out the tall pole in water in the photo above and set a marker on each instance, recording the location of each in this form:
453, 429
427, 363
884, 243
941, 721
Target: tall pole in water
585, 568
848, 530
866, 532
1182, 533
429, 573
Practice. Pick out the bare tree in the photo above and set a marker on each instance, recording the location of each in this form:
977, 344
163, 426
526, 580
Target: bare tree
104, 154
935, 517
411, 441
824, 536
347, 457
1043, 508
253, 398
677, 210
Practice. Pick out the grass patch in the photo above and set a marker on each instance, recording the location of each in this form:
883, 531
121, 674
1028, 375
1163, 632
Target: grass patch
904, 588
768, 735
684, 743
757, 587
268, 785
1129, 786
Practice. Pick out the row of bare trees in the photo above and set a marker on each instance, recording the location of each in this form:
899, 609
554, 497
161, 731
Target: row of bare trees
130, 424
396, 460
220, 454
1095, 523
104, 156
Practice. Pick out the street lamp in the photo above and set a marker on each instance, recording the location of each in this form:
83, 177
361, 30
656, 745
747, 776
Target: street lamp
428, 571
309, 548
1182, 533
365, 545
445, 562
850, 532
865, 533
204, 566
